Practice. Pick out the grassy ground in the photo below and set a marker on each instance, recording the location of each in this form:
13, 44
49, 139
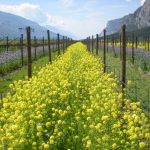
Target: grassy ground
138, 81
22, 72
15, 64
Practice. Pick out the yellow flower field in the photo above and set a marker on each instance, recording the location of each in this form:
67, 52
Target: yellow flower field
71, 104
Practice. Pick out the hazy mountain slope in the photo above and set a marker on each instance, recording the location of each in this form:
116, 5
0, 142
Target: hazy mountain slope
10, 24
60, 31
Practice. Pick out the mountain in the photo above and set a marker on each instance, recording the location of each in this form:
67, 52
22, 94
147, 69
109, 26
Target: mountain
10, 26
60, 31
139, 19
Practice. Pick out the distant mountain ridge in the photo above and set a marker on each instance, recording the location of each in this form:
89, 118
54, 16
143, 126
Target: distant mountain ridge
10, 24
139, 19
61, 31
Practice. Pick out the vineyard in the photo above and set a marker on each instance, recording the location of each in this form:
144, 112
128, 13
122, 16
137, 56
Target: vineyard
72, 104
127, 55
60, 95
75, 75
16, 55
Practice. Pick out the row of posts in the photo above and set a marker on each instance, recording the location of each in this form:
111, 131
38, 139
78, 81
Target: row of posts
65, 43
134, 44
134, 40
62, 44
123, 46
90, 45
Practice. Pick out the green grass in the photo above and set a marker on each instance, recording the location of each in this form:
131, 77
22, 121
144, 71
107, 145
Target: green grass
140, 80
15, 64
22, 72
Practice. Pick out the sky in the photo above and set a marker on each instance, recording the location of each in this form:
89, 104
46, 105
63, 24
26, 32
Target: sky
80, 17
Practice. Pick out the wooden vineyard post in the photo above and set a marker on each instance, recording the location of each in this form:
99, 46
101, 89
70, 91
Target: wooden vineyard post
123, 59
63, 42
58, 42
86, 42
97, 44
136, 42
145, 42
35, 45
61, 46
120, 47
66, 42
89, 43
92, 44
21, 48
104, 51
100, 45
107, 44
113, 44
43, 45
29, 52
7, 44
148, 43
133, 48
53, 45
49, 46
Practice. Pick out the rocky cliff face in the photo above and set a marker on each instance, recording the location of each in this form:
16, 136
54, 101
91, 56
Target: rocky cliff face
143, 16
139, 19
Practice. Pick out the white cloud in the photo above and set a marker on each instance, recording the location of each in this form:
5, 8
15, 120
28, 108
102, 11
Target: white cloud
67, 3
128, 0
25, 10
32, 12
142, 2
54, 21
83, 18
